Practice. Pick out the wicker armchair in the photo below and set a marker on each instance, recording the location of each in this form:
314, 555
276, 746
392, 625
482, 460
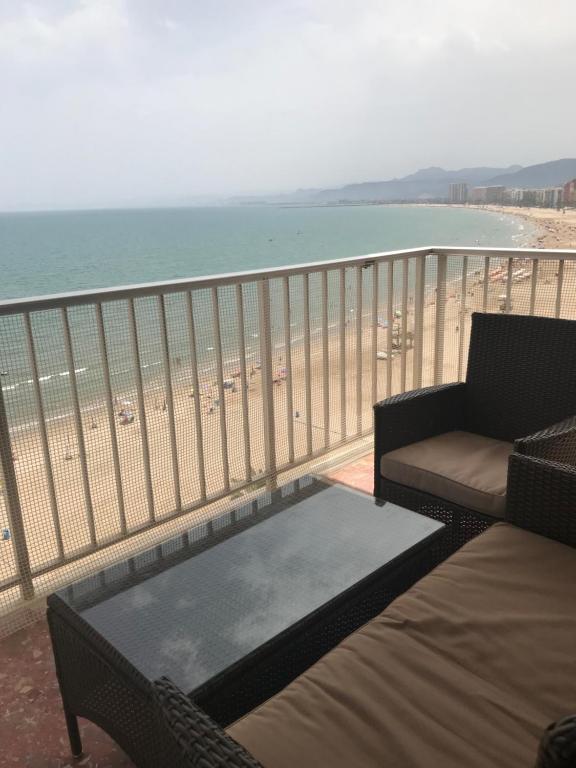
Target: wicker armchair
519, 398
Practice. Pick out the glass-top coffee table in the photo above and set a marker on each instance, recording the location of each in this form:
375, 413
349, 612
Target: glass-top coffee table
237, 607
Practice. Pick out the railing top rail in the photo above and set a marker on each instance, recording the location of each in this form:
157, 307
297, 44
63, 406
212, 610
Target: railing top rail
89, 297
525, 253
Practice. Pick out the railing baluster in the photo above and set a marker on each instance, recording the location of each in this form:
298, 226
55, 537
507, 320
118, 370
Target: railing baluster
307, 365
267, 383
342, 339
508, 306
288, 363
560, 283
243, 382
486, 283
390, 328
462, 321
196, 385
170, 401
220, 374
359, 350
419, 320
440, 318
133, 327
325, 359
533, 285
14, 507
374, 360
43, 434
404, 340
78, 428
111, 417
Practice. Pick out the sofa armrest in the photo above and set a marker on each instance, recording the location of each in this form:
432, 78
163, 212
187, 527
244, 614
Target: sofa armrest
416, 415
200, 741
541, 497
556, 443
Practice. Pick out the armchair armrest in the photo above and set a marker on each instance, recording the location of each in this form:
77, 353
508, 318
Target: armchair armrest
541, 497
416, 415
556, 443
199, 740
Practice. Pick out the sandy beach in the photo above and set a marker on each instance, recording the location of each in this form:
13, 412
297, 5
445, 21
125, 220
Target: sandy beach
554, 230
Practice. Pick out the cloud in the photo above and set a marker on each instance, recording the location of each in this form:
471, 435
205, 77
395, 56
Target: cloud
127, 101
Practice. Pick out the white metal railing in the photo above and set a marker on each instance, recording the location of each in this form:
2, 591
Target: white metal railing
126, 408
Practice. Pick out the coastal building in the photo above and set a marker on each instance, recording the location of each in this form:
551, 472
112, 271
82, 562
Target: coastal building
513, 196
553, 197
548, 197
569, 193
493, 194
533, 197
458, 192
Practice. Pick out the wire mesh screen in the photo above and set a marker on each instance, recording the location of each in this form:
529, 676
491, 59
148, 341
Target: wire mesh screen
125, 416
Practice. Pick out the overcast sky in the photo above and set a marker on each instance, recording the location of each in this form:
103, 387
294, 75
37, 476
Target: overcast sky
112, 102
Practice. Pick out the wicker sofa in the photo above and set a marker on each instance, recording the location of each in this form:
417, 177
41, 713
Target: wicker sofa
466, 668
450, 444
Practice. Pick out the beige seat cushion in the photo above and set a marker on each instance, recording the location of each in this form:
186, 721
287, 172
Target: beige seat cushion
467, 469
463, 671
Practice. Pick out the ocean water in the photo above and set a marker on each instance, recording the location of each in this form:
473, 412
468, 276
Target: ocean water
44, 253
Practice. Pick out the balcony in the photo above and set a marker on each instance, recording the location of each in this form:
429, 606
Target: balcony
131, 414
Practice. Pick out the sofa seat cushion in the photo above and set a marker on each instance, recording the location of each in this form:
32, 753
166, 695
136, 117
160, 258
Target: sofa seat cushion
467, 469
467, 668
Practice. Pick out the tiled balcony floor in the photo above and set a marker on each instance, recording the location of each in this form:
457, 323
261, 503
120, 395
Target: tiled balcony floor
32, 730
358, 474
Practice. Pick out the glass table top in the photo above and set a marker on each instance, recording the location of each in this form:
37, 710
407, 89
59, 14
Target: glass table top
200, 602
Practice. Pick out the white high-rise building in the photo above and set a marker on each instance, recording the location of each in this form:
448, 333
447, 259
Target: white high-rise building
459, 193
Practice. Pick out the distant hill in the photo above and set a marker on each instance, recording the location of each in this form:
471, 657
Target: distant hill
469, 175
552, 174
427, 184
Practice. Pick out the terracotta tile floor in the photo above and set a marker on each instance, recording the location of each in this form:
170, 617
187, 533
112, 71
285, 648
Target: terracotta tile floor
358, 474
32, 730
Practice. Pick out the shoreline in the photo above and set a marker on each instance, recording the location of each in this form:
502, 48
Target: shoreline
555, 228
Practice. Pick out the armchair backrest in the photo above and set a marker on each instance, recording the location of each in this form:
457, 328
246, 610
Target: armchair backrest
521, 374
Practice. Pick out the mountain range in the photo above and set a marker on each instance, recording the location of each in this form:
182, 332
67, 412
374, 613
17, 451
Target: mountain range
430, 184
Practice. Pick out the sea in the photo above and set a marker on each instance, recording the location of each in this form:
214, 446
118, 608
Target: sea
59, 252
